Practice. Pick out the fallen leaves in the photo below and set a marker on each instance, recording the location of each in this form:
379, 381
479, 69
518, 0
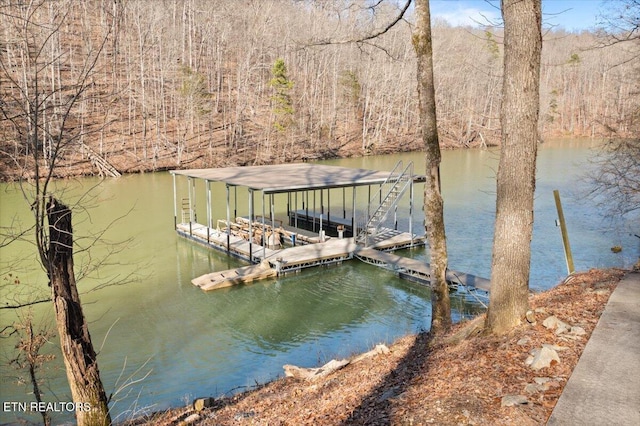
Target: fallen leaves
419, 381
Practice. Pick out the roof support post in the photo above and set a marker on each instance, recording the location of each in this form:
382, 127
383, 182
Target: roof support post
321, 208
295, 210
314, 211
175, 203
264, 233
250, 225
189, 184
411, 211
193, 211
328, 208
368, 204
228, 220
273, 216
288, 205
209, 220
344, 204
354, 223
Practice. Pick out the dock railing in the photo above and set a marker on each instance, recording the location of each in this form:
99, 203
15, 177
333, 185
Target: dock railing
391, 191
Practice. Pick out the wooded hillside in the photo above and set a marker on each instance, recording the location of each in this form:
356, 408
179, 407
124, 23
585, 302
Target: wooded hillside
201, 83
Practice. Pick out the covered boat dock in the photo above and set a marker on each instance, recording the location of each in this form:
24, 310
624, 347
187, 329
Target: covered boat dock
312, 213
303, 215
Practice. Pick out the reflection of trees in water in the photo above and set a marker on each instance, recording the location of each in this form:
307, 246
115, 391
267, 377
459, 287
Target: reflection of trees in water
316, 303
275, 315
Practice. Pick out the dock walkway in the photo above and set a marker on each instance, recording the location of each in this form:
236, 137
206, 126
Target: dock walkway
418, 271
271, 262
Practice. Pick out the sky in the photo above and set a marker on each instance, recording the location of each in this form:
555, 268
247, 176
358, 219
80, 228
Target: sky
571, 15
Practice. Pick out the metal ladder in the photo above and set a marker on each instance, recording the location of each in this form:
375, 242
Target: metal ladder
394, 186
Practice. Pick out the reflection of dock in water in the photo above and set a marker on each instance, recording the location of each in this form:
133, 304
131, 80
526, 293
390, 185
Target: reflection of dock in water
311, 235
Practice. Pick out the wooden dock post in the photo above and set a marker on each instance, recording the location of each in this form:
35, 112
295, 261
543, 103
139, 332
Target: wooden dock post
565, 236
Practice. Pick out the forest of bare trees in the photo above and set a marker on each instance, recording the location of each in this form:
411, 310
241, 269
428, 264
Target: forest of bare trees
188, 83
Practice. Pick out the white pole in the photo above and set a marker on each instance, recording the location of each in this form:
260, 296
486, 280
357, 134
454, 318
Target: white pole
175, 203
228, 221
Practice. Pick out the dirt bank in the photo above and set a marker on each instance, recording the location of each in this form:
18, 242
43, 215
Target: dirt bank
421, 381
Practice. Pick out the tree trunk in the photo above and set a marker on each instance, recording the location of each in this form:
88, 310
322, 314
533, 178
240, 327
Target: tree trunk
433, 205
510, 265
75, 342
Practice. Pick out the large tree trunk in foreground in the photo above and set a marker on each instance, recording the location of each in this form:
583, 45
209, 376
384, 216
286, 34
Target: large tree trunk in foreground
511, 261
78, 353
433, 205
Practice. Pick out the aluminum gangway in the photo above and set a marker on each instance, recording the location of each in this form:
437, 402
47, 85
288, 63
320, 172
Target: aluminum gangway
391, 191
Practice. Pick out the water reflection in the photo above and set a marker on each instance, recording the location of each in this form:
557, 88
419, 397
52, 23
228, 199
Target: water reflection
193, 343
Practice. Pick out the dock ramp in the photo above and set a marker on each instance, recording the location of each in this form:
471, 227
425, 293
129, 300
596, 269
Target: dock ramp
418, 271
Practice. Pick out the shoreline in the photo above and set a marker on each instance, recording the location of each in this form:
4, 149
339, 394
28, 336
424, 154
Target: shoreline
79, 168
422, 381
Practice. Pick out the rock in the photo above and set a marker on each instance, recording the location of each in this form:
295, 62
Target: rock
577, 331
388, 394
202, 403
378, 350
533, 388
524, 341
541, 380
191, 419
568, 337
314, 373
553, 323
531, 317
513, 400
543, 357
382, 349
244, 415
541, 384
563, 328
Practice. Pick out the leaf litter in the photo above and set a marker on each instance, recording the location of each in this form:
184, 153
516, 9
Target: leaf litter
423, 381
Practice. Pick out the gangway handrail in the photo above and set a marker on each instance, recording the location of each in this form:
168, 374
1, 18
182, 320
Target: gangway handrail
388, 202
390, 178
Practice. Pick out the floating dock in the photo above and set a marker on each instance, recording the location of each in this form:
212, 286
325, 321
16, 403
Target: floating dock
418, 271
312, 234
331, 252
223, 279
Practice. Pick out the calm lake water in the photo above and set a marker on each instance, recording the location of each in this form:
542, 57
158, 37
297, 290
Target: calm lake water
163, 342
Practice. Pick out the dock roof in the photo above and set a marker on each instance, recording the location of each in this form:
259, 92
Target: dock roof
290, 177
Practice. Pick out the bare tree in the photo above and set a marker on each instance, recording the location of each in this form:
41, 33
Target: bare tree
621, 21
44, 118
231, 47
511, 260
433, 204
29, 357
615, 181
